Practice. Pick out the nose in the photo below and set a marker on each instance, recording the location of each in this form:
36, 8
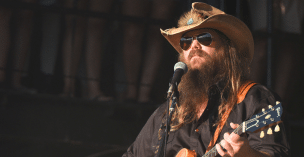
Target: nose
196, 44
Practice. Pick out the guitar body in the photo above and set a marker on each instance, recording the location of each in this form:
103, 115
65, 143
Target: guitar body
186, 153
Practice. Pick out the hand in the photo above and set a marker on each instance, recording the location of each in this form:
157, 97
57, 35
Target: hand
234, 144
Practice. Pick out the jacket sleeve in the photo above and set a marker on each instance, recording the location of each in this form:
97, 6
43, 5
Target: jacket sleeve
275, 144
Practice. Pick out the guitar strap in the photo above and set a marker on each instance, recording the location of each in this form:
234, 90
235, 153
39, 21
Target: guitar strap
241, 96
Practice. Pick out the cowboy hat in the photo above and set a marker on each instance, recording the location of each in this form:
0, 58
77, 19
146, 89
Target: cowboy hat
211, 17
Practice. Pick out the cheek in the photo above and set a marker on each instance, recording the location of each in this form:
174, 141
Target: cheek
185, 55
220, 53
210, 51
182, 57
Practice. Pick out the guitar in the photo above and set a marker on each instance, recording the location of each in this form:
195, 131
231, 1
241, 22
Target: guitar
258, 122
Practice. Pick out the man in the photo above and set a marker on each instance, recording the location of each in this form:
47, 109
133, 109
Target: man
217, 49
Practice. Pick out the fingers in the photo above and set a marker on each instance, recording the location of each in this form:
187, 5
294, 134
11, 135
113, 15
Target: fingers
234, 126
232, 143
233, 139
220, 150
227, 146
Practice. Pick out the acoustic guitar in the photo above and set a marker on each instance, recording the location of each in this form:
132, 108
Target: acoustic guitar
258, 122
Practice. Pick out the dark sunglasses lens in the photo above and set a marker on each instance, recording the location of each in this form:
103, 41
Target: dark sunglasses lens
185, 43
204, 39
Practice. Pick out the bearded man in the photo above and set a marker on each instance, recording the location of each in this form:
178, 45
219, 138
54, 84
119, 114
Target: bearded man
217, 49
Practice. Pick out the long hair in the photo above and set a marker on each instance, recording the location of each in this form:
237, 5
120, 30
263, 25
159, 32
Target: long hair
234, 72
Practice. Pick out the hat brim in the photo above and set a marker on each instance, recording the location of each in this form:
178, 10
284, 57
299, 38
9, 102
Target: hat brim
232, 27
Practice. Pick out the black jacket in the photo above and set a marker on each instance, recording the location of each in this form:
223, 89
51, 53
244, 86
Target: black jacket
258, 97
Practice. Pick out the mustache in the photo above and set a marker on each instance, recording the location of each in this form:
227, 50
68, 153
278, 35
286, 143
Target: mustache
198, 52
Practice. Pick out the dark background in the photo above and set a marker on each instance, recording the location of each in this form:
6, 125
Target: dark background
45, 124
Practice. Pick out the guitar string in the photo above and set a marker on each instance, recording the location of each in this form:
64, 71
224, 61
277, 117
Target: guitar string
214, 151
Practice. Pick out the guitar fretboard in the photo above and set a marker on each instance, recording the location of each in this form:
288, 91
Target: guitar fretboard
213, 152
270, 116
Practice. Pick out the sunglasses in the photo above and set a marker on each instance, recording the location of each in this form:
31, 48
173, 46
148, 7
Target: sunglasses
204, 39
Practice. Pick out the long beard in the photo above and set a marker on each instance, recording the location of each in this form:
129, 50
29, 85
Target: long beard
194, 85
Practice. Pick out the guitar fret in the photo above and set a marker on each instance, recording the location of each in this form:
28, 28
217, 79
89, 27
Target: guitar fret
247, 126
213, 152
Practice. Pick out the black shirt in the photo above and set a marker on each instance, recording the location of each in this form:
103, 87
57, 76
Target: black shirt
189, 137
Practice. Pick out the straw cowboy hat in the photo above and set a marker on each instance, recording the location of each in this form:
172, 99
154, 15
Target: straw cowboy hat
211, 17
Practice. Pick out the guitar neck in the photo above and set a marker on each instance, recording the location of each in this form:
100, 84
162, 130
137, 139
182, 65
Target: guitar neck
261, 120
213, 152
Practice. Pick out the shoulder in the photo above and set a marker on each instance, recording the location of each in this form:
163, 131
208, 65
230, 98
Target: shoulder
159, 112
257, 98
146, 141
155, 119
259, 93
